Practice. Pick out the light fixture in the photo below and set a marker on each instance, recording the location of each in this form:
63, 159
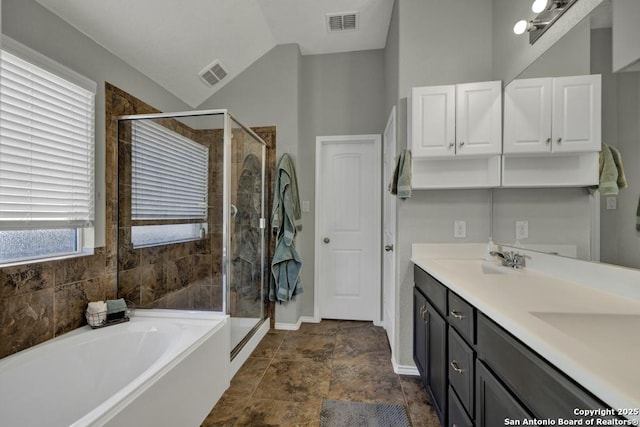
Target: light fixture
548, 11
539, 5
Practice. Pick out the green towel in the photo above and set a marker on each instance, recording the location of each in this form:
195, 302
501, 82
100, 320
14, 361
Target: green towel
401, 183
617, 160
608, 172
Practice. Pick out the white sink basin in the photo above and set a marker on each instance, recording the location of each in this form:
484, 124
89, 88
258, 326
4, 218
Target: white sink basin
605, 330
476, 266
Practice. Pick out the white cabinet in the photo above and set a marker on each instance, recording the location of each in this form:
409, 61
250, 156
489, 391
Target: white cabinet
552, 132
553, 115
456, 120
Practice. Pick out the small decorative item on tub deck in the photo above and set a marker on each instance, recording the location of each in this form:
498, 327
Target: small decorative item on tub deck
111, 312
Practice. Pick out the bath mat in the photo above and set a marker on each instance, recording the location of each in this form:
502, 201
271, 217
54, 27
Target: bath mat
338, 413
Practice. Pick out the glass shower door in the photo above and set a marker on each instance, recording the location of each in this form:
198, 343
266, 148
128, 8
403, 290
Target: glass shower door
245, 279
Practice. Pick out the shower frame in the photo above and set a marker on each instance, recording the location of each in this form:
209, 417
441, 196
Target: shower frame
228, 120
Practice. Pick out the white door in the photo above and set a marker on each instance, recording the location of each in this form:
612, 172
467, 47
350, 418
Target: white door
479, 118
527, 116
348, 227
577, 114
389, 230
432, 127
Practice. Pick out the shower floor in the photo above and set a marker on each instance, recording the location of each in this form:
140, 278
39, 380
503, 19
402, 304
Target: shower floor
240, 327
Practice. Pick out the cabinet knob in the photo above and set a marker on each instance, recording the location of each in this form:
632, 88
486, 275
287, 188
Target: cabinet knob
548, 140
559, 140
454, 365
326, 240
461, 143
451, 145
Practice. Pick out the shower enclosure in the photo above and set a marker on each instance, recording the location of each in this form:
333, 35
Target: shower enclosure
191, 216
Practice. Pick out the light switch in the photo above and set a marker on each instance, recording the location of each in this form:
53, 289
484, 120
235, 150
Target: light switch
305, 206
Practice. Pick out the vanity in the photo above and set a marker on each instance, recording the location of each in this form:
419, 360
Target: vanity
552, 342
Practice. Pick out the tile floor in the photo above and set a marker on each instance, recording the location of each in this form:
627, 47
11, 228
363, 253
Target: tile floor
290, 372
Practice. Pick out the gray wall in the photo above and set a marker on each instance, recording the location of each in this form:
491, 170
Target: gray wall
512, 54
342, 94
439, 43
619, 242
305, 97
53, 37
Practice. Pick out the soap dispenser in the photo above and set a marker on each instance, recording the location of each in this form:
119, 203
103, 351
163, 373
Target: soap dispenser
491, 247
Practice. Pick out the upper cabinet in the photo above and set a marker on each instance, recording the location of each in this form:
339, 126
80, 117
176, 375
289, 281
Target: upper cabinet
456, 120
553, 115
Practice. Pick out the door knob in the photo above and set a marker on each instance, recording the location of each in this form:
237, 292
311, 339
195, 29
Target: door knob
388, 248
326, 240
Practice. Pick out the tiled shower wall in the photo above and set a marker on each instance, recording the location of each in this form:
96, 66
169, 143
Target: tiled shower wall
40, 301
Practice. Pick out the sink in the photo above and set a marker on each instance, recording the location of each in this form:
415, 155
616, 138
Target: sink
476, 266
608, 331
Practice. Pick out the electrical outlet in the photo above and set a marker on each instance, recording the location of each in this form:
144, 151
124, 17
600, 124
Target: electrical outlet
612, 203
305, 206
459, 229
522, 230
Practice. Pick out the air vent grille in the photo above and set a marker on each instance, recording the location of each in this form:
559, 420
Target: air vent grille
346, 21
213, 73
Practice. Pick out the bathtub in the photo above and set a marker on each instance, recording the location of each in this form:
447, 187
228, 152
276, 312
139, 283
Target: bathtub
162, 368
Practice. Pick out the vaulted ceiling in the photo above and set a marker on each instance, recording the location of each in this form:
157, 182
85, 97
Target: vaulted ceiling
171, 41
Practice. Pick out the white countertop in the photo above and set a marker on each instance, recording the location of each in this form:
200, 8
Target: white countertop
590, 334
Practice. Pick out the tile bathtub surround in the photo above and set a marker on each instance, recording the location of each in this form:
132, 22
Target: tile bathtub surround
290, 372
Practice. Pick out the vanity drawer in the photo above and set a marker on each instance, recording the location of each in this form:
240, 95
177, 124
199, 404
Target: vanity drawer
546, 391
431, 288
461, 369
461, 316
457, 415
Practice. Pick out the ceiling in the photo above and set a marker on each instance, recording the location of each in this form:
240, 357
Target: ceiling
172, 41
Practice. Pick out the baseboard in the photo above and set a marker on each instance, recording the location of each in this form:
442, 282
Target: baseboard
248, 348
295, 326
409, 370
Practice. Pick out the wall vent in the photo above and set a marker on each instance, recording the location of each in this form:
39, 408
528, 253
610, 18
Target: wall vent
345, 21
213, 73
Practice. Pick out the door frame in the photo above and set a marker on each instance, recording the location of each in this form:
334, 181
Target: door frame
322, 141
389, 307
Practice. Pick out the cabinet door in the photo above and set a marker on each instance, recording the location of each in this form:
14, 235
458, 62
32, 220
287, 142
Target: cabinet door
494, 404
527, 116
432, 126
437, 360
577, 113
419, 333
479, 118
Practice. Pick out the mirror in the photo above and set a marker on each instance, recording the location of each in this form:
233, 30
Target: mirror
570, 221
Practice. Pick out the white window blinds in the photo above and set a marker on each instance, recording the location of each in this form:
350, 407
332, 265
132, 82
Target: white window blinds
169, 177
46, 148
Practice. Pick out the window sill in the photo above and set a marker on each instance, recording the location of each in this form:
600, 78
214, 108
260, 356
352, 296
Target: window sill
86, 252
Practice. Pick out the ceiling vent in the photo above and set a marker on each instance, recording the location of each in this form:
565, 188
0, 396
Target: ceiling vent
213, 73
345, 21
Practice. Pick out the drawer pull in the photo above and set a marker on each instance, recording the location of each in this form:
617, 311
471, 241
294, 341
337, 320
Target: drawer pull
456, 314
454, 365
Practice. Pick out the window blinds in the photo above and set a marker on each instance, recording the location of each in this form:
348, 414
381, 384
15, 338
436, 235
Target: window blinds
169, 177
46, 148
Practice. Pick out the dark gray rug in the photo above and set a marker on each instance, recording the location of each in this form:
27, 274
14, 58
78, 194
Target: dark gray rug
338, 413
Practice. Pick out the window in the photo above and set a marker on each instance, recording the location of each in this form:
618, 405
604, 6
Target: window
46, 157
169, 186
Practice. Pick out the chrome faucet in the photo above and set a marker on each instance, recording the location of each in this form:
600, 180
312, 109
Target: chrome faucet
510, 259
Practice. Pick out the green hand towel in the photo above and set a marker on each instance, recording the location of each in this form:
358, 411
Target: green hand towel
617, 160
608, 173
404, 175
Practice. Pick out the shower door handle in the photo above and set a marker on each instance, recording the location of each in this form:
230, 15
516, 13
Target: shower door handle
326, 240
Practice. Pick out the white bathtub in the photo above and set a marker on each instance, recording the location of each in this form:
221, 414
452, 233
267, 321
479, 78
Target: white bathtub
162, 368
